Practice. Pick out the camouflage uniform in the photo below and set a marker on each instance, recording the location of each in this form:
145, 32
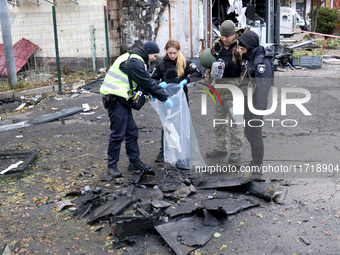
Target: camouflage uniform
232, 74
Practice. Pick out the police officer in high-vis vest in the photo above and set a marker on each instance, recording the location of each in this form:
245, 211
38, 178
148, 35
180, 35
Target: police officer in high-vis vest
117, 100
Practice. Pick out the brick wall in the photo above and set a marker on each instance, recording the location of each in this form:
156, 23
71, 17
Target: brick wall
114, 8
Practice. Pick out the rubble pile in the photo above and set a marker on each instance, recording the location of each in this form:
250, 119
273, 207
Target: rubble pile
186, 211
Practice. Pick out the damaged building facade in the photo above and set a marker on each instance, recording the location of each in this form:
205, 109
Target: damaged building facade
85, 40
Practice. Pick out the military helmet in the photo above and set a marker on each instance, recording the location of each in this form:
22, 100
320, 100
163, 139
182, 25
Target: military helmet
207, 58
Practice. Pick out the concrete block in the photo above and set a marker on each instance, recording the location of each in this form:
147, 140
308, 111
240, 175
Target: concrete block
35, 91
6, 94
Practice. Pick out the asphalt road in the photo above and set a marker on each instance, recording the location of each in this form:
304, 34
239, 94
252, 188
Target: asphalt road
72, 155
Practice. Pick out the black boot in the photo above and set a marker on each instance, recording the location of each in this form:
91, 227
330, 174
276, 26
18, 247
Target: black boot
216, 154
114, 172
139, 167
160, 157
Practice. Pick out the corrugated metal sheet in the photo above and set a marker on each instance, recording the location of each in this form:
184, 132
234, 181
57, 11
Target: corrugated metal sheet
23, 49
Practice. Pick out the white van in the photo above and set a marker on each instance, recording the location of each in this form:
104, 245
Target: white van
288, 21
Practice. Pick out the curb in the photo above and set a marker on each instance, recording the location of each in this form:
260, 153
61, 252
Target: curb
6, 94
52, 90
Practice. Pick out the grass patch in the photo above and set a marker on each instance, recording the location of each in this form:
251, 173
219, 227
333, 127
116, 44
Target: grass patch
314, 52
21, 85
66, 78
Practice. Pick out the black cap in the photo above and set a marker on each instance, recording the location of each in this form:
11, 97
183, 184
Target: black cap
249, 40
151, 47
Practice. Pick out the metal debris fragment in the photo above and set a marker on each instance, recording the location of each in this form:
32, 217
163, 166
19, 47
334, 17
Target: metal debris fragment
15, 126
58, 115
25, 156
262, 191
133, 226
183, 208
160, 204
64, 204
183, 232
184, 190
215, 182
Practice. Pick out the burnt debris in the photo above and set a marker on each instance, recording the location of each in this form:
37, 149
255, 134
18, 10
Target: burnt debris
184, 211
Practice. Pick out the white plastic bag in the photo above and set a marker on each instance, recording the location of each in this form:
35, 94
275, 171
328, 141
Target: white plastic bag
180, 143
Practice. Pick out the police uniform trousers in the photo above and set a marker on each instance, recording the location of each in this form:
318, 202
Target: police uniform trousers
123, 127
253, 132
222, 131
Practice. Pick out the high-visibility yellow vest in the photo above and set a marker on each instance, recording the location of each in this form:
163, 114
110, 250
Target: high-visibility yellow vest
116, 82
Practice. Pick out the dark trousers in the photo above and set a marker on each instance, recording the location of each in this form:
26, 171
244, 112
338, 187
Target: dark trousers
254, 136
123, 127
253, 132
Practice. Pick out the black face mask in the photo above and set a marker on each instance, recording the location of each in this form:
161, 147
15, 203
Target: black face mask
250, 55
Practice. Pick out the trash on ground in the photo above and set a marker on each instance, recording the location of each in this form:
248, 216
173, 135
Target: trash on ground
183, 208
86, 107
16, 161
58, 115
29, 100
87, 113
17, 125
160, 204
260, 190
13, 166
22, 105
135, 225
184, 190
210, 219
93, 86
185, 211
218, 182
185, 231
61, 205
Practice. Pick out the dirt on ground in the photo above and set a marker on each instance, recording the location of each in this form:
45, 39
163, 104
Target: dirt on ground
72, 154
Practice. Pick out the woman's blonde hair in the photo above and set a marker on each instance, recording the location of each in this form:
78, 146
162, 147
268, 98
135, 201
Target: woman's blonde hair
181, 61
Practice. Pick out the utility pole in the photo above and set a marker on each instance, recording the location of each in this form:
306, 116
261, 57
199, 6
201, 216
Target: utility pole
8, 44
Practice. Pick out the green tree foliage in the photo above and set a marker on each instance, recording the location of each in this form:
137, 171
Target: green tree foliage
327, 17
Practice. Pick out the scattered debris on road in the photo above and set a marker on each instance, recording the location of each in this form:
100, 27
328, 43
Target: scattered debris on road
185, 215
21, 158
58, 115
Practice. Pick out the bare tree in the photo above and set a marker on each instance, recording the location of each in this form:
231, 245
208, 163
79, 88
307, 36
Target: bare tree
304, 14
314, 13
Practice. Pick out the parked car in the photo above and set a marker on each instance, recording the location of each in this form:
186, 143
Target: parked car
300, 22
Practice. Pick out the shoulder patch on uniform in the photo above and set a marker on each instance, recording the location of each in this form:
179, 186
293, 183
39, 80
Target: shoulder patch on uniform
193, 66
261, 68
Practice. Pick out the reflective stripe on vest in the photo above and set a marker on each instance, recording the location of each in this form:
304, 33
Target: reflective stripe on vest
116, 82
